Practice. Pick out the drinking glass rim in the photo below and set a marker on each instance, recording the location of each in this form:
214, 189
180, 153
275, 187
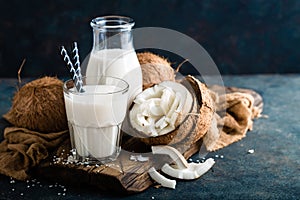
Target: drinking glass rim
75, 92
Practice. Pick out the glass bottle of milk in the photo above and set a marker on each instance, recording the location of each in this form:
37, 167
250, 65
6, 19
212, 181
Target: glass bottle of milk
113, 53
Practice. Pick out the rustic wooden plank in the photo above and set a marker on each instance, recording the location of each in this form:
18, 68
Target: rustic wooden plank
122, 175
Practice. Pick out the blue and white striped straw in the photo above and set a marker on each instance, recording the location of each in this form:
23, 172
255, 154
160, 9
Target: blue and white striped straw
75, 73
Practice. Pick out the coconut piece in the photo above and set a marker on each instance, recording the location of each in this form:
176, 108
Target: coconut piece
160, 109
39, 105
193, 170
155, 69
186, 99
175, 155
139, 158
165, 182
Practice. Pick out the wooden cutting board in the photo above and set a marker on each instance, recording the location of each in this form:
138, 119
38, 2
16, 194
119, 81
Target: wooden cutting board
122, 175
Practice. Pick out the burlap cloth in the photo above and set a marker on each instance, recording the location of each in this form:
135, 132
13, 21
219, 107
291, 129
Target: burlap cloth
235, 111
23, 149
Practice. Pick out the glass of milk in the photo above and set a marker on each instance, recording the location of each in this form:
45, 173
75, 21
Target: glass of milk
95, 117
113, 52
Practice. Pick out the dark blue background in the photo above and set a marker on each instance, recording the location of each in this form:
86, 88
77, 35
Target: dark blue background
242, 36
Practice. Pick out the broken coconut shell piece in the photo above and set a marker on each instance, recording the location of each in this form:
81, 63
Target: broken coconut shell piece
195, 124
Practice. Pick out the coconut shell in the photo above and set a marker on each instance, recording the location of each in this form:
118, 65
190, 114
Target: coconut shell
155, 69
174, 137
39, 106
196, 124
203, 121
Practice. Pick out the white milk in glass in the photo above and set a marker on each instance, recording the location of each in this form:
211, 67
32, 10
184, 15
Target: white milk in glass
95, 119
119, 63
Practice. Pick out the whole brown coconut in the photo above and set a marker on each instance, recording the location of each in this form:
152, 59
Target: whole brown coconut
39, 105
155, 69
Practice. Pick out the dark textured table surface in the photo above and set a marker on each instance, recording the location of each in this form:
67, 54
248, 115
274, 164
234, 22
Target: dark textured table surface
271, 172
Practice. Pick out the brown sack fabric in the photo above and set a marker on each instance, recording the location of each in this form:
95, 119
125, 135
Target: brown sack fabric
23, 149
235, 112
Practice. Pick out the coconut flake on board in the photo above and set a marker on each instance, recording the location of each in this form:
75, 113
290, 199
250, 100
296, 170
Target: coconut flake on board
138, 158
181, 169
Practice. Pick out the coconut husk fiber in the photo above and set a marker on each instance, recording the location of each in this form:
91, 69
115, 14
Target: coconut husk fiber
23, 149
39, 105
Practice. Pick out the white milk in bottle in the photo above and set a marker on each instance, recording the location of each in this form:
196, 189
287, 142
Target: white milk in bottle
113, 53
117, 63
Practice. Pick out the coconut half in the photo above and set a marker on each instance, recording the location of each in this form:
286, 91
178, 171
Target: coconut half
158, 110
191, 125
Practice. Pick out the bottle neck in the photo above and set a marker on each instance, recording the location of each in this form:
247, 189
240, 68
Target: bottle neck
112, 32
112, 40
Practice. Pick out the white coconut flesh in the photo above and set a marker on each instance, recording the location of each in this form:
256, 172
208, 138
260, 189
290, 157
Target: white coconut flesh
181, 169
165, 182
158, 110
175, 155
193, 171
